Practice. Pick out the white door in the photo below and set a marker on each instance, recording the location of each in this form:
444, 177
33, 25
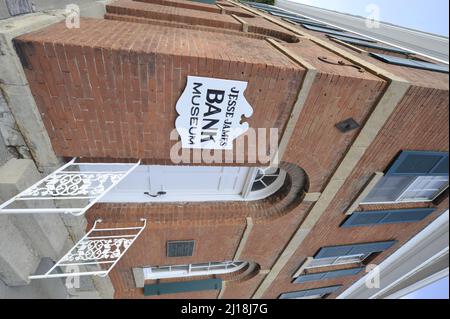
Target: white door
157, 183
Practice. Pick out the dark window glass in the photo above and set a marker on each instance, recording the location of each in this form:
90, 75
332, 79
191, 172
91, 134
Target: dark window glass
257, 186
331, 31
368, 44
411, 63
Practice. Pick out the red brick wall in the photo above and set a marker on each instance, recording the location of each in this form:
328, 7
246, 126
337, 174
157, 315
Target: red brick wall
162, 12
412, 127
128, 18
126, 8
150, 250
229, 8
109, 88
185, 4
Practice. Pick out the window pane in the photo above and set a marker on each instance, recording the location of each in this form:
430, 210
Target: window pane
410, 63
424, 188
331, 31
160, 269
368, 44
180, 268
321, 262
200, 265
388, 189
349, 259
417, 195
258, 185
269, 179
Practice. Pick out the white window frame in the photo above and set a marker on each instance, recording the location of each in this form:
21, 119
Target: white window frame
247, 193
192, 270
397, 201
418, 180
334, 261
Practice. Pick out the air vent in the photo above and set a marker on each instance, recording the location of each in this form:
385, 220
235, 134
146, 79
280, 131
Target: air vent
347, 125
180, 248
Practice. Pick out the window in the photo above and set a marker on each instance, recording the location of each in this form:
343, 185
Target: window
367, 44
335, 32
303, 21
379, 217
423, 188
414, 177
333, 261
19, 7
316, 293
182, 248
291, 16
168, 183
191, 270
262, 5
327, 275
264, 178
411, 63
346, 254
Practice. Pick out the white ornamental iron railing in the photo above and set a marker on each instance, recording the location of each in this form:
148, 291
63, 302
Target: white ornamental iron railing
96, 253
73, 188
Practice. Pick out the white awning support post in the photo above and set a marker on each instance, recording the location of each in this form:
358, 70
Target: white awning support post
100, 247
68, 189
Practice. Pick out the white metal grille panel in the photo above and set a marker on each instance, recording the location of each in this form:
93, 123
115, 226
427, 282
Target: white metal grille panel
73, 188
96, 253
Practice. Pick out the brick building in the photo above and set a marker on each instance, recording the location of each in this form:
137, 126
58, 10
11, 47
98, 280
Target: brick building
362, 134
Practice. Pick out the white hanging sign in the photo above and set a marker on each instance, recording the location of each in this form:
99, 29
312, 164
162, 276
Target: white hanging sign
210, 112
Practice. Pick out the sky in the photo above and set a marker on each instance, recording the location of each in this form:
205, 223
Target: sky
424, 15
436, 290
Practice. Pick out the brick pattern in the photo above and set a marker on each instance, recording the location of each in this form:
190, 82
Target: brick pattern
189, 17
266, 238
333, 98
114, 96
411, 127
229, 8
108, 90
185, 4
128, 18
162, 12
262, 26
149, 250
